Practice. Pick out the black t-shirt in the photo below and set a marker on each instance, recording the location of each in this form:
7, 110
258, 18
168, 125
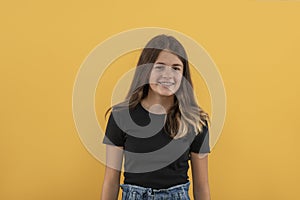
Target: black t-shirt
151, 157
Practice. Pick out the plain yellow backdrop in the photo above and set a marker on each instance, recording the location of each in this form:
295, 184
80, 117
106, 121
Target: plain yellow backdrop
255, 45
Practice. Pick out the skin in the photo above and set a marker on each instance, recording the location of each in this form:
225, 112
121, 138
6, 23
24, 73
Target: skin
164, 81
199, 163
110, 188
167, 68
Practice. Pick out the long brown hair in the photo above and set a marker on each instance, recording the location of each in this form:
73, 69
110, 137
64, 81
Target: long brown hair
185, 114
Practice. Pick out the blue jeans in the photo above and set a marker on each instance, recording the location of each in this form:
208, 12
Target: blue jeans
134, 192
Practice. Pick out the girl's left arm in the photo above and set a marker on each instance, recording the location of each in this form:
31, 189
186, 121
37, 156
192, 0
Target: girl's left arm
199, 164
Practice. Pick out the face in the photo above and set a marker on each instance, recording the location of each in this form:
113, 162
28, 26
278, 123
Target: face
166, 74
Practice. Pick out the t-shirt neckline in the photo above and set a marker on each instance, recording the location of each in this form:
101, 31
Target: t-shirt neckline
148, 112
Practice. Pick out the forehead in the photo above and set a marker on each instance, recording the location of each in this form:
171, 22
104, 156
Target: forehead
168, 58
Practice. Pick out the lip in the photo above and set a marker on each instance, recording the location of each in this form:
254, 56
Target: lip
166, 83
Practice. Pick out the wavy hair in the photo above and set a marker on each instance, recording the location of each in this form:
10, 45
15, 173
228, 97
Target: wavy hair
185, 115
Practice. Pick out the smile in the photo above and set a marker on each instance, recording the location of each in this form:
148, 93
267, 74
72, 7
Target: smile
166, 83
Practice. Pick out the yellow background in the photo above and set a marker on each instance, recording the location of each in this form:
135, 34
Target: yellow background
255, 45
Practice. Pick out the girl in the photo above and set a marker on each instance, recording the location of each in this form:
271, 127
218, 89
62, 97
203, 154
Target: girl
157, 129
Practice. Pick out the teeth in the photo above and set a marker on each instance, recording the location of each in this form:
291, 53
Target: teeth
166, 83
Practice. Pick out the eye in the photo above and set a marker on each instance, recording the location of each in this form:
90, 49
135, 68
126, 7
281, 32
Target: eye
177, 68
159, 67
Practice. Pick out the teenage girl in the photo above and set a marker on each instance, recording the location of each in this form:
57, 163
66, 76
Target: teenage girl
158, 129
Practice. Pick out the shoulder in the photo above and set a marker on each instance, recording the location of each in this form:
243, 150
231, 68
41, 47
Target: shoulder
123, 115
124, 107
200, 144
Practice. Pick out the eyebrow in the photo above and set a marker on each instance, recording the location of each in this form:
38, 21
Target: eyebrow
161, 63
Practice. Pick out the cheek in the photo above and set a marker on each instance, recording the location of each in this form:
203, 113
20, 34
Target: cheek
179, 80
178, 77
153, 78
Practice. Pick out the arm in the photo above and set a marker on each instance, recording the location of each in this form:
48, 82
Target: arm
199, 164
114, 158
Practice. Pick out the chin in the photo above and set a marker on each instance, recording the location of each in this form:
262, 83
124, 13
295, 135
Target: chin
166, 93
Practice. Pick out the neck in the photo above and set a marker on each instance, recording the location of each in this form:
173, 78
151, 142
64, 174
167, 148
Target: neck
158, 104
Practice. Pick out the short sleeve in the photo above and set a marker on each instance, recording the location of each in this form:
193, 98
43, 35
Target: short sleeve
200, 143
113, 134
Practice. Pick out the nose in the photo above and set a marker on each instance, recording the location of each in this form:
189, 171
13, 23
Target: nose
168, 72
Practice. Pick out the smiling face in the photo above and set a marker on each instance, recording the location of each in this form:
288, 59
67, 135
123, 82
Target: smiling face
166, 74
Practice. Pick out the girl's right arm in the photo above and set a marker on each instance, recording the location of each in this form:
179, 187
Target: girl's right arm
110, 188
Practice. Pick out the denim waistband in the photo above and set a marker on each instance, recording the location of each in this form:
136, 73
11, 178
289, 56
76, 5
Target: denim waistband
142, 190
